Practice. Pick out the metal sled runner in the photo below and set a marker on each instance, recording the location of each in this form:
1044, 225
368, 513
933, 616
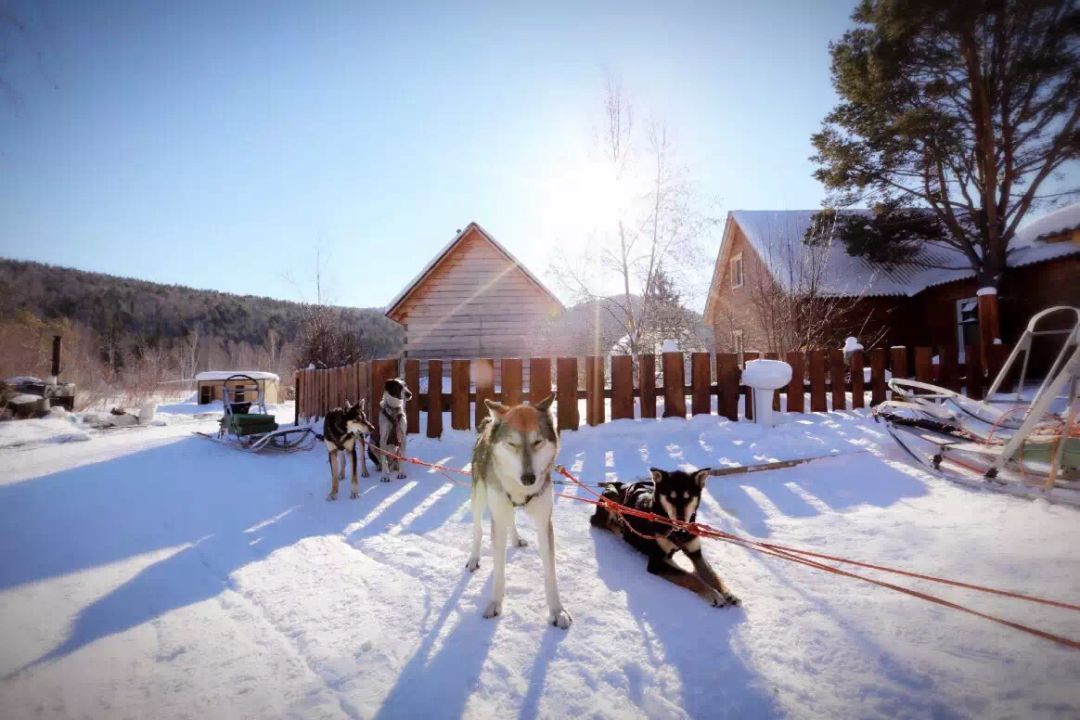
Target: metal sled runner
1024, 448
254, 431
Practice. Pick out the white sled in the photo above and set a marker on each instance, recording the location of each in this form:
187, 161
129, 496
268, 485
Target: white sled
1023, 447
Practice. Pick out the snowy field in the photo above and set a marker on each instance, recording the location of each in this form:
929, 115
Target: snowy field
149, 573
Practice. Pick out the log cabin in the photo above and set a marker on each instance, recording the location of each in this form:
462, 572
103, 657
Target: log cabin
934, 303
474, 299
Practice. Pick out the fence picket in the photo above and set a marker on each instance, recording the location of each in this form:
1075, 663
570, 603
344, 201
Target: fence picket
511, 380
817, 381
594, 390
674, 383
412, 409
647, 384
434, 415
975, 372
459, 394
858, 380
838, 379
924, 364
727, 385
797, 387
878, 358
484, 377
567, 389
950, 376
701, 380
622, 387
539, 379
899, 361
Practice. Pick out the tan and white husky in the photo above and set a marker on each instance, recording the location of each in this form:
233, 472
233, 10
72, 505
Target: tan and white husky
512, 462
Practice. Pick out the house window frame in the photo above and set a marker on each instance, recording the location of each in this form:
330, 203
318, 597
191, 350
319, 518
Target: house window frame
736, 270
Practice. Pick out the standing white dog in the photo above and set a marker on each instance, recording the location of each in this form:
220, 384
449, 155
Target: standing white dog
511, 468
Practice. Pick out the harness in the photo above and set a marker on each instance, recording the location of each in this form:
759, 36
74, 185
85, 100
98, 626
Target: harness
395, 423
529, 499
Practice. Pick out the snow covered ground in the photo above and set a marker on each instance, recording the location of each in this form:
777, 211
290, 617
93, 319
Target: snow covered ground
150, 573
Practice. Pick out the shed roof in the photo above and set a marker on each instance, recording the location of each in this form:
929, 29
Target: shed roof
777, 238
211, 375
400, 298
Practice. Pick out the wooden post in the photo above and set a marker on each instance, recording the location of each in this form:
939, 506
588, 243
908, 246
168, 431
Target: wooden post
797, 387
511, 381
674, 399
296, 398
567, 390
989, 323
817, 381
539, 379
899, 361
485, 387
838, 379
459, 394
594, 390
701, 380
858, 380
412, 409
924, 364
434, 415
622, 387
748, 394
975, 372
950, 377
727, 385
877, 375
647, 384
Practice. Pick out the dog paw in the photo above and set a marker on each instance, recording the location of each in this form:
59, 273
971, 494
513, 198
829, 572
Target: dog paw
353, 495
473, 564
365, 474
494, 609
724, 599
331, 496
401, 476
385, 478
561, 619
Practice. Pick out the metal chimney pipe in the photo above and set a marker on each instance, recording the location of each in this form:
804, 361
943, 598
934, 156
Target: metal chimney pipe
55, 358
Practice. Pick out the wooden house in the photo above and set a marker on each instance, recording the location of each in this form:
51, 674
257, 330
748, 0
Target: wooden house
934, 302
474, 300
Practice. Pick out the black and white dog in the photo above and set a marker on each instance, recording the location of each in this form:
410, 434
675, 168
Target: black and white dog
343, 429
392, 428
676, 495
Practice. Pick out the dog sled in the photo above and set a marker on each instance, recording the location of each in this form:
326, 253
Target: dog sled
249, 431
1029, 447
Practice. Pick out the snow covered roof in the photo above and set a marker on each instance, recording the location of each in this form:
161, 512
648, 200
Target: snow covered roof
226, 374
442, 254
777, 236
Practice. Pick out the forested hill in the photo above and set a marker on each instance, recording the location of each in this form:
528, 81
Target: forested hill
162, 314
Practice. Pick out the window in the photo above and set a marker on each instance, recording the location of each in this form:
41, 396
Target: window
736, 271
967, 324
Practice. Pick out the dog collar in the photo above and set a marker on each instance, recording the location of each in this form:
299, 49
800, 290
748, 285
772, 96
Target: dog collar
529, 499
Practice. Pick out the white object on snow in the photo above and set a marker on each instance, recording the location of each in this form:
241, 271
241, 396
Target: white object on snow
764, 376
226, 374
670, 346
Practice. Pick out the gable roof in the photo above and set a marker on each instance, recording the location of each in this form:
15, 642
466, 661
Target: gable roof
443, 254
777, 238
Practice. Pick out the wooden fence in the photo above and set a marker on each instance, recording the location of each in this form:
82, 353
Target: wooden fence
616, 387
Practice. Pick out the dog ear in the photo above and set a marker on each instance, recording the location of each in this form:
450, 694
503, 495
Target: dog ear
363, 404
658, 475
702, 476
545, 404
348, 406
497, 409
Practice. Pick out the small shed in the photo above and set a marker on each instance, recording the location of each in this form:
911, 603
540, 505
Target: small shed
473, 300
208, 385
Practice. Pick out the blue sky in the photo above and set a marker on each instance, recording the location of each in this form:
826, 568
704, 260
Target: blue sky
218, 145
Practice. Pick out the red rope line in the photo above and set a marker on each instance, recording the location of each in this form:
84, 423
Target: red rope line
802, 557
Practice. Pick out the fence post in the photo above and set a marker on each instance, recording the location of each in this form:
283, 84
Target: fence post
950, 375
296, 398
459, 394
674, 399
877, 376
858, 380
434, 384
622, 387
412, 409
838, 379
567, 387
817, 381
924, 364
899, 361
485, 387
594, 390
647, 385
797, 387
727, 385
701, 380
511, 380
539, 379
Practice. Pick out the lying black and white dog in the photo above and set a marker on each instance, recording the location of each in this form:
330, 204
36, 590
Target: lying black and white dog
676, 495
343, 429
392, 428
